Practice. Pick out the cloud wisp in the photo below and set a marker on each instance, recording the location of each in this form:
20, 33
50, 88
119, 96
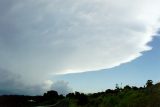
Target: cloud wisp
42, 38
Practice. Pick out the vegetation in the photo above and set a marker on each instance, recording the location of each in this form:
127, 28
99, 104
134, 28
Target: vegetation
128, 96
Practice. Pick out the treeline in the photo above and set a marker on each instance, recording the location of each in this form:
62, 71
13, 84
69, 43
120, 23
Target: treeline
128, 96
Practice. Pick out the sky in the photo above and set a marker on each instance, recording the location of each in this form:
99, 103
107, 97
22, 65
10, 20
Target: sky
81, 45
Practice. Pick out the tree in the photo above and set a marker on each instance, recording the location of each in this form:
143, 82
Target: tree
117, 86
127, 87
149, 83
109, 91
82, 99
70, 95
51, 94
134, 88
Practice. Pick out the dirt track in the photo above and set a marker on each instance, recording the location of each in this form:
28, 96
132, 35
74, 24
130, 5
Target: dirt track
62, 103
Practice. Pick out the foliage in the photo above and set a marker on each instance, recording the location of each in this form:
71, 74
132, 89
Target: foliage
129, 96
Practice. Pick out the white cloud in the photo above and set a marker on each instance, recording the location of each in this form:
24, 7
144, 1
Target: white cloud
44, 37
61, 87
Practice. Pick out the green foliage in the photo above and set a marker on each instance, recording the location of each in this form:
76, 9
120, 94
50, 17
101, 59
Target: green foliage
149, 83
125, 97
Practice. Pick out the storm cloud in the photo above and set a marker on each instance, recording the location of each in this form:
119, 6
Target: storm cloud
11, 84
41, 38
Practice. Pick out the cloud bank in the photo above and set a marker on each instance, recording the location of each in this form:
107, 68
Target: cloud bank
11, 84
41, 38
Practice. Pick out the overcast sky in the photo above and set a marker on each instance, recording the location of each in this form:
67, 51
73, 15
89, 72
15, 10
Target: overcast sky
40, 39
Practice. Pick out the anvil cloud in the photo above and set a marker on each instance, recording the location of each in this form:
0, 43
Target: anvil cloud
40, 38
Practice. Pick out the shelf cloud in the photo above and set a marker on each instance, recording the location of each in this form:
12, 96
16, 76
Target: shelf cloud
41, 38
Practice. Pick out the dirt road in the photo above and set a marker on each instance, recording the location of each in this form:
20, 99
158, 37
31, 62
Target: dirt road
62, 103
